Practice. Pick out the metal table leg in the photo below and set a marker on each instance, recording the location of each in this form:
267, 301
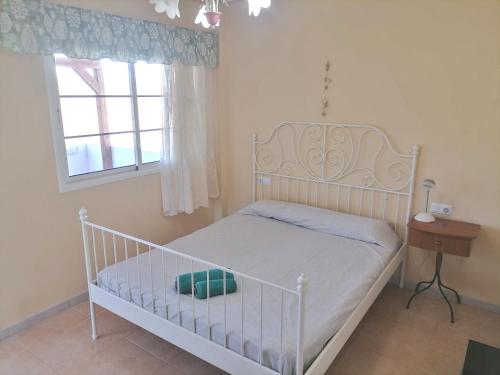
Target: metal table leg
437, 276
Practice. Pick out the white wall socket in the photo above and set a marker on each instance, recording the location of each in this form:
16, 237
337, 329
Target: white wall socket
264, 180
441, 209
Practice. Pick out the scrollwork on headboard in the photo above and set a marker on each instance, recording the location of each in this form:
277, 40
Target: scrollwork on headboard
356, 154
357, 157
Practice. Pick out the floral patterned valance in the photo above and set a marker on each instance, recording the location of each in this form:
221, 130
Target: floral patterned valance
43, 28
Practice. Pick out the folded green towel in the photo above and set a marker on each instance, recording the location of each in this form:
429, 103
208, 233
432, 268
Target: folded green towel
185, 279
216, 288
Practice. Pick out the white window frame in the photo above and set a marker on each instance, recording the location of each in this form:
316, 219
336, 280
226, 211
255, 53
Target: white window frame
72, 183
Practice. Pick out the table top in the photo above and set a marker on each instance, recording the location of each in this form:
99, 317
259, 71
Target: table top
445, 227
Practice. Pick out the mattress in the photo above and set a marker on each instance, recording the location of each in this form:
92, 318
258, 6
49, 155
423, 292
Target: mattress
340, 272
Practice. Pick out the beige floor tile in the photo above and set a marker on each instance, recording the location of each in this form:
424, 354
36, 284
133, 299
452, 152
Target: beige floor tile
62, 321
45, 333
154, 345
84, 308
391, 302
395, 339
124, 358
14, 360
403, 369
191, 365
366, 362
390, 340
445, 356
168, 370
421, 340
113, 324
72, 345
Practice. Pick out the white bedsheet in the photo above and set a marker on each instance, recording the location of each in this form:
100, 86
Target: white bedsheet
340, 273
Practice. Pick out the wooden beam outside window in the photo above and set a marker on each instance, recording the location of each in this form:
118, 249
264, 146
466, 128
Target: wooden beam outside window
95, 81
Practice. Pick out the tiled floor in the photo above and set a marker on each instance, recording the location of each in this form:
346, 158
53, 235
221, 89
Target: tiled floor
390, 340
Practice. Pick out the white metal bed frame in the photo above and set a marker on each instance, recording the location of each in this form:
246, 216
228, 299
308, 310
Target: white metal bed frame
305, 155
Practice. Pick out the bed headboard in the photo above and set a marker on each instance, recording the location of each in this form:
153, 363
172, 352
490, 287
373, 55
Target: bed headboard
342, 167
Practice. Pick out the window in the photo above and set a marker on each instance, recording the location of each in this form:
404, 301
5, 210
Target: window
107, 119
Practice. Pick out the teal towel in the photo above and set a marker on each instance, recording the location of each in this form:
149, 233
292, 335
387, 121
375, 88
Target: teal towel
216, 288
185, 279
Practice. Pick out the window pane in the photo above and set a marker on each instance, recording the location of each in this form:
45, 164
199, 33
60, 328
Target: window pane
81, 116
148, 78
94, 154
122, 149
70, 83
115, 77
150, 113
119, 114
91, 77
151, 146
84, 155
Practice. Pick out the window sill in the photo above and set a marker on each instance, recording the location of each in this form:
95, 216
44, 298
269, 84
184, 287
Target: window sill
105, 177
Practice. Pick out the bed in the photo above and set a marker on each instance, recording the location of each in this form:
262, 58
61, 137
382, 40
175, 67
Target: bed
309, 256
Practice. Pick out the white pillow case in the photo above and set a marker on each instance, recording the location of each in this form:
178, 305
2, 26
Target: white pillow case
355, 227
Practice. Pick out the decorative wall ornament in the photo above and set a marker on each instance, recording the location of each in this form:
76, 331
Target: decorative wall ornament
326, 85
43, 28
210, 13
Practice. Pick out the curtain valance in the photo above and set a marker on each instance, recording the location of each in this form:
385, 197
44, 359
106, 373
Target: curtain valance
40, 27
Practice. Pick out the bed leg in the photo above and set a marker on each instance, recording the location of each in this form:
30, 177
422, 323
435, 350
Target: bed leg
93, 321
301, 290
83, 219
402, 272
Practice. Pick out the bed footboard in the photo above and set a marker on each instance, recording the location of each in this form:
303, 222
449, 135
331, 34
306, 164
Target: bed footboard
111, 254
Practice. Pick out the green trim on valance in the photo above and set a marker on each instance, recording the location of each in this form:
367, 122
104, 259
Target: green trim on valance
43, 28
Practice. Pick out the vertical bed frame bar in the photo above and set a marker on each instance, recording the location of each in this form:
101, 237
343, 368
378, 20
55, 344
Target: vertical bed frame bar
173, 330
254, 164
415, 151
301, 316
83, 218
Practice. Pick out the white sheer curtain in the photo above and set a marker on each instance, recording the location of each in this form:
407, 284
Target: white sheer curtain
188, 167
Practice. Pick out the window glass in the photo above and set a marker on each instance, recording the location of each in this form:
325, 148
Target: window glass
150, 113
148, 78
122, 149
115, 77
119, 114
100, 129
70, 83
84, 155
79, 116
151, 146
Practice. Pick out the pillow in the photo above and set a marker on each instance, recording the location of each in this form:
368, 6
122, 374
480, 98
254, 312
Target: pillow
355, 227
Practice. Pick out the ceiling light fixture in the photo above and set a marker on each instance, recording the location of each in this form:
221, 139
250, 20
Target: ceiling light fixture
209, 14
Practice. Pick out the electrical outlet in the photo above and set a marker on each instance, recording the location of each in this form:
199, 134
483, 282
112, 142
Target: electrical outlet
441, 209
264, 180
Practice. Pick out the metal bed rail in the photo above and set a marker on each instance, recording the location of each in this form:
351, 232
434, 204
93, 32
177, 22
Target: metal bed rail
112, 254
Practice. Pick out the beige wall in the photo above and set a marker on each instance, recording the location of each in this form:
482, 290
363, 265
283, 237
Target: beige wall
426, 72
41, 258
